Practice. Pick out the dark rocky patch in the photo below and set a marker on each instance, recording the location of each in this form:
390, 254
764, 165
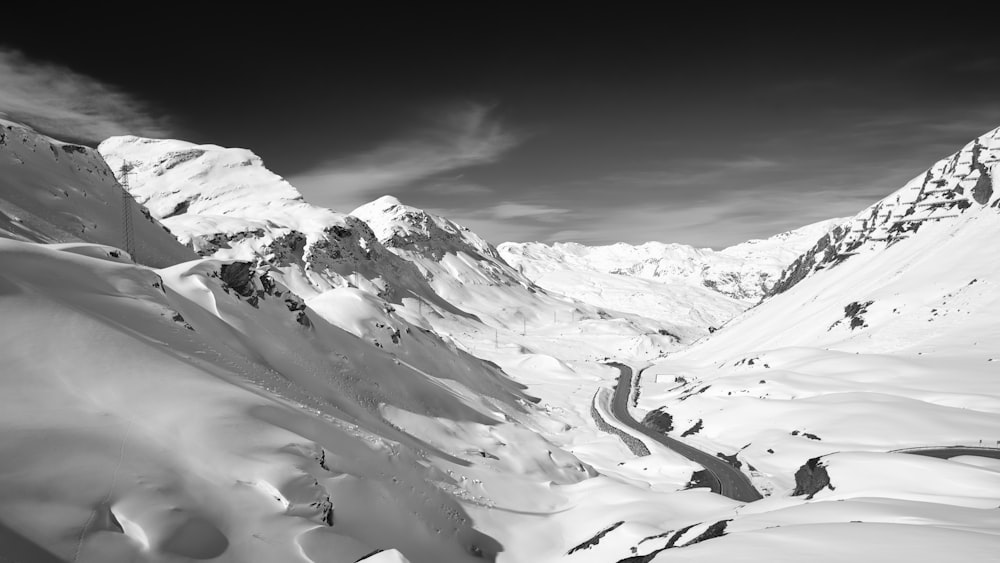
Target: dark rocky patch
823, 252
177, 318
730, 459
855, 311
70, 149
659, 420
811, 478
983, 189
179, 209
694, 429
665, 332
596, 539
716, 530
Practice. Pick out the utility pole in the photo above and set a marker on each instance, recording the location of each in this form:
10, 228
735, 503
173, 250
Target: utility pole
128, 231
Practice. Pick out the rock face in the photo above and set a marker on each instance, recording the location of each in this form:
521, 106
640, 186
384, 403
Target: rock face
659, 420
953, 190
811, 478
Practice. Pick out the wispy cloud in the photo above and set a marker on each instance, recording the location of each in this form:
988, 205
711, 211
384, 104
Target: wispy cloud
466, 135
68, 105
512, 210
456, 186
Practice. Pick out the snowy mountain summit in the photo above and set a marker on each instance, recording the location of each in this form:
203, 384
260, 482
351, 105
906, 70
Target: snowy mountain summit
415, 230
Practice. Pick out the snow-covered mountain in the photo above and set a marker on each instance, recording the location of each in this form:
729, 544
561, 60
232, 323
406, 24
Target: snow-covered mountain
226, 204
52, 191
744, 271
882, 336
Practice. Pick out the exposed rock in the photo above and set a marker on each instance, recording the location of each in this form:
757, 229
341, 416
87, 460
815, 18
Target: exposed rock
811, 478
659, 420
714, 531
945, 191
694, 429
855, 312
596, 538
237, 276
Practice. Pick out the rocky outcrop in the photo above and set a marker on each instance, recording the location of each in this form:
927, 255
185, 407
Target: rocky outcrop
596, 538
716, 530
811, 478
236, 276
659, 420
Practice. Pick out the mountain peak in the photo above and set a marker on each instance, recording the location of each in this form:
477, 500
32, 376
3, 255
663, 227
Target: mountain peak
401, 226
384, 202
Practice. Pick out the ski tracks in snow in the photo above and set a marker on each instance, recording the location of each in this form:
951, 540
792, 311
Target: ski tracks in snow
107, 497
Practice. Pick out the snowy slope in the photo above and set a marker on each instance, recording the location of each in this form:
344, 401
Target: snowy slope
198, 412
883, 336
52, 191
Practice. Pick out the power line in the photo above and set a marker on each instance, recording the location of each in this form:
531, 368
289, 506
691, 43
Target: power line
128, 231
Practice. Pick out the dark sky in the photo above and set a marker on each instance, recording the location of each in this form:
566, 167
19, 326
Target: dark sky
702, 128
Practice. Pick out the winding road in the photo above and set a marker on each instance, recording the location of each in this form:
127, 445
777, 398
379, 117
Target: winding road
729, 481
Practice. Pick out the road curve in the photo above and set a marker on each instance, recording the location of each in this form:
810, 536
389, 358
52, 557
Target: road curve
731, 481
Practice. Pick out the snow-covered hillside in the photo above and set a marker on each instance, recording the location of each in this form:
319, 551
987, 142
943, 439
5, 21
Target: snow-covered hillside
883, 336
205, 411
52, 191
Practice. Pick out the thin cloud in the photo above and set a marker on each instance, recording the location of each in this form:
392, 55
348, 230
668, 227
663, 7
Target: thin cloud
67, 105
454, 187
466, 136
512, 210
